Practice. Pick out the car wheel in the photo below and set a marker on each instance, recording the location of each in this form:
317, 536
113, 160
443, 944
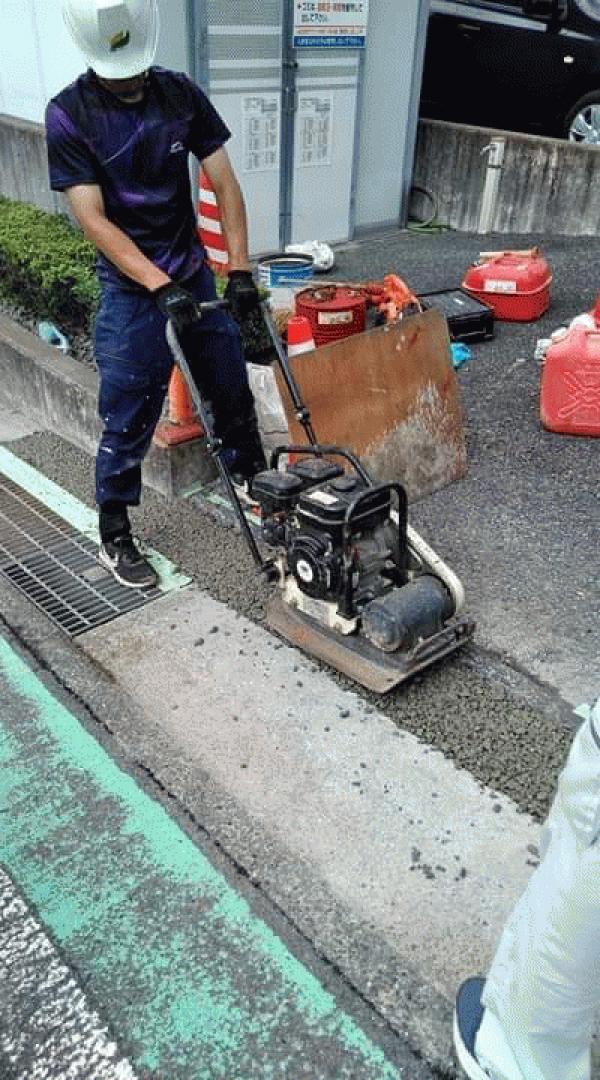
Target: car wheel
582, 123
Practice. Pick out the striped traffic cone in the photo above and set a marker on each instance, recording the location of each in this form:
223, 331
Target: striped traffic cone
210, 229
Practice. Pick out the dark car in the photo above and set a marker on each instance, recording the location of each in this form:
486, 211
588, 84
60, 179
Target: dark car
523, 65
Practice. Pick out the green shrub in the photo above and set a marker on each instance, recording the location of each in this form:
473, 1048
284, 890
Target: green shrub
47, 265
47, 268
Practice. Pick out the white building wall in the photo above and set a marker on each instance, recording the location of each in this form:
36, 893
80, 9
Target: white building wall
38, 58
390, 100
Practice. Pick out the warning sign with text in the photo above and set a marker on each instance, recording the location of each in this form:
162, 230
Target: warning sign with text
330, 24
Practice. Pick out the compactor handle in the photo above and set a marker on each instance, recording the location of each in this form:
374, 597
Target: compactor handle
205, 306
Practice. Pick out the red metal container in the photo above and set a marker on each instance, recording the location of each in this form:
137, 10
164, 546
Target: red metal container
570, 388
516, 284
334, 311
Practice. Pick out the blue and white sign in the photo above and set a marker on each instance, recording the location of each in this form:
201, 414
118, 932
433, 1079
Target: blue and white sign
330, 24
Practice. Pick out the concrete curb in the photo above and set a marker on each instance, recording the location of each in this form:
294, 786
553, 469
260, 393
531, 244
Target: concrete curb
60, 394
398, 866
560, 179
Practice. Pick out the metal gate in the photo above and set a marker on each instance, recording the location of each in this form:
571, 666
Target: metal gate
292, 113
316, 154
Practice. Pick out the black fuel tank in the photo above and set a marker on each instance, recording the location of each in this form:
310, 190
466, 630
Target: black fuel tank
406, 615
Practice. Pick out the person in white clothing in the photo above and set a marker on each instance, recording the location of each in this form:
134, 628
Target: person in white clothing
532, 1018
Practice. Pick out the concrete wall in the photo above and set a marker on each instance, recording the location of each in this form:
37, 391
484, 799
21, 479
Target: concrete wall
38, 58
61, 394
546, 185
24, 165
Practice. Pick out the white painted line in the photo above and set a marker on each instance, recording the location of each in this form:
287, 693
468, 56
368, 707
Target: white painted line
47, 1029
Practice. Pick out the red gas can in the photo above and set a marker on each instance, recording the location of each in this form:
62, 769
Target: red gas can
516, 284
334, 311
570, 389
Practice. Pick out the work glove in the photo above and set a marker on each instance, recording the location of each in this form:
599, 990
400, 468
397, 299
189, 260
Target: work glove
242, 294
177, 304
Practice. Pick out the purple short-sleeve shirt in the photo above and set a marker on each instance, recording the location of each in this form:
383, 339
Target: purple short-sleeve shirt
138, 155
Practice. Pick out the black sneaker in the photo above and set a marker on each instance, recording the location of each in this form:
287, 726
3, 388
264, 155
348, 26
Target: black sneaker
126, 563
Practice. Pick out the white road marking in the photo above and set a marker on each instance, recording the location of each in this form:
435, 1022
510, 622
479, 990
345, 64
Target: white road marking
47, 1029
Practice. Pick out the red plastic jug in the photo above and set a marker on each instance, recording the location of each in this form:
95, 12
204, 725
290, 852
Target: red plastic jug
570, 387
516, 284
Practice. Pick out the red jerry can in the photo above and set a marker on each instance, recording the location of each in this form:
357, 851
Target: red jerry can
516, 284
570, 388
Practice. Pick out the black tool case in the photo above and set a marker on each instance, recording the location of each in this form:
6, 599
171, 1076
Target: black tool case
468, 318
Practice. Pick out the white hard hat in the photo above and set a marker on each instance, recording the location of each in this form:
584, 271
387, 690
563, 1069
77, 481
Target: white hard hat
117, 37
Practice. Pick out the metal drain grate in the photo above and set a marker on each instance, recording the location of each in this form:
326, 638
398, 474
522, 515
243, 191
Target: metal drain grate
56, 567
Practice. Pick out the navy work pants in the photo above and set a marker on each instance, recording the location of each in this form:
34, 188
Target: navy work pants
135, 364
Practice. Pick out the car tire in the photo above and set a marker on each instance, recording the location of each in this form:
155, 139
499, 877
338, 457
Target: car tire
582, 122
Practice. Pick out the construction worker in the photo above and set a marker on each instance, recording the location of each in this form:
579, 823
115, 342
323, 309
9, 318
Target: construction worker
119, 140
533, 1017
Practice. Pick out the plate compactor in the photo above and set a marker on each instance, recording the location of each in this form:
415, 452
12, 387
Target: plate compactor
357, 587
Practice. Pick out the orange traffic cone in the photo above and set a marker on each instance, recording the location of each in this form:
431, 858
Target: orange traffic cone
181, 425
299, 336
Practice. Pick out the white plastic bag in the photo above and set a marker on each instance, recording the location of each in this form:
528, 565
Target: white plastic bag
321, 254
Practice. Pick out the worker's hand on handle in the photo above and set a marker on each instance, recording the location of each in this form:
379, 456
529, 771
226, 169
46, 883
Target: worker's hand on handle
242, 294
177, 304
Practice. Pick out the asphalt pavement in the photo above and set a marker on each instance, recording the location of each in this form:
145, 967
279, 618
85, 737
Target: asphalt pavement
522, 528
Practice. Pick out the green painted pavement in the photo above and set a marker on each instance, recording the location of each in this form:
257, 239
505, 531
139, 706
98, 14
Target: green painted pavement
192, 982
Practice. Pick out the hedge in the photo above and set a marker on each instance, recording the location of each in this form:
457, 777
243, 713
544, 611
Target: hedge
47, 267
